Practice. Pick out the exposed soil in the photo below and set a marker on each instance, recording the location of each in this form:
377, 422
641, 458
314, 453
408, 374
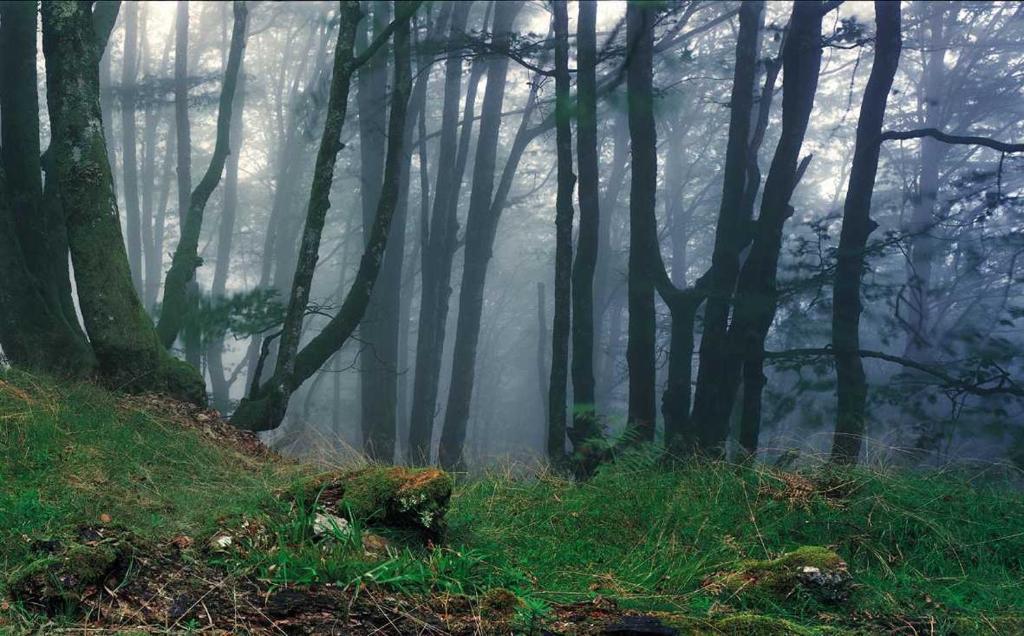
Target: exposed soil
207, 421
173, 589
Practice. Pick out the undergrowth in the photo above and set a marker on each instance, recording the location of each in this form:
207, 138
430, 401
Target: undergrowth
938, 549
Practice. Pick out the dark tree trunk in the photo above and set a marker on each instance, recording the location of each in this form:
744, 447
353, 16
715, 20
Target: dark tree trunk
379, 329
266, 406
34, 220
186, 259
851, 384
643, 231
32, 335
711, 408
585, 424
438, 251
122, 335
561, 323
756, 297
129, 161
481, 225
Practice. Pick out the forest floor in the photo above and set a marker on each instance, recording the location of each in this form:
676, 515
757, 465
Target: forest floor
138, 515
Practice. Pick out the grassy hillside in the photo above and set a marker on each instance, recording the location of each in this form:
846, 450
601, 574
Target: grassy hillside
699, 549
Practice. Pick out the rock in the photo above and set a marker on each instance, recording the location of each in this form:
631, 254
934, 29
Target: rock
831, 586
330, 526
375, 545
817, 571
393, 496
221, 541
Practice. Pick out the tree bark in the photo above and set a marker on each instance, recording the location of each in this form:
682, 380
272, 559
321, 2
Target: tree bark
35, 226
851, 384
265, 408
122, 335
219, 384
186, 256
378, 364
561, 322
585, 423
438, 250
711, 408
643, 231
481, 225
756, 293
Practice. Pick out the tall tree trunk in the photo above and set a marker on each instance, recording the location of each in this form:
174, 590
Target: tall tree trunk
378, 364
542, 348
711, 408
182, 128
922, 229
438, 250
37, 238
32, 335
122, 335
266, 406
481, 225
129, 161
643, 231
561, 323
225, 241
186, 256
585, 424
605, 287
851, 384
756, 296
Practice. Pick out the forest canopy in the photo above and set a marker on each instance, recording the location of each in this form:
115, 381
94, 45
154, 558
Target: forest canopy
461, 232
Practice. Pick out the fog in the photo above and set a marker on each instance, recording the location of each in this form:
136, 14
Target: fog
941, 282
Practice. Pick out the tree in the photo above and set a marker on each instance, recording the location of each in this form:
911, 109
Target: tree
851, 384
186, 255
219, 384
756, 293
481, 225
378, 365
35, 254
129, 70
560, 330
643, 231
265, 407
585, 425
438, 239
732, 234
127, 349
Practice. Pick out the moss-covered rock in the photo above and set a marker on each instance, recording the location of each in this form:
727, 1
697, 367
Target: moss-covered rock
819, 571
394, 496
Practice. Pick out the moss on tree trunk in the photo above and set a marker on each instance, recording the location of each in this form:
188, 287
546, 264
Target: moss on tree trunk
121, 333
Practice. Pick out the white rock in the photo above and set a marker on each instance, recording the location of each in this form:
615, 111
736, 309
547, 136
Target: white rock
324, 524
221, 541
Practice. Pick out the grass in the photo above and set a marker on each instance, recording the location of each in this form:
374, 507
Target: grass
943, 551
